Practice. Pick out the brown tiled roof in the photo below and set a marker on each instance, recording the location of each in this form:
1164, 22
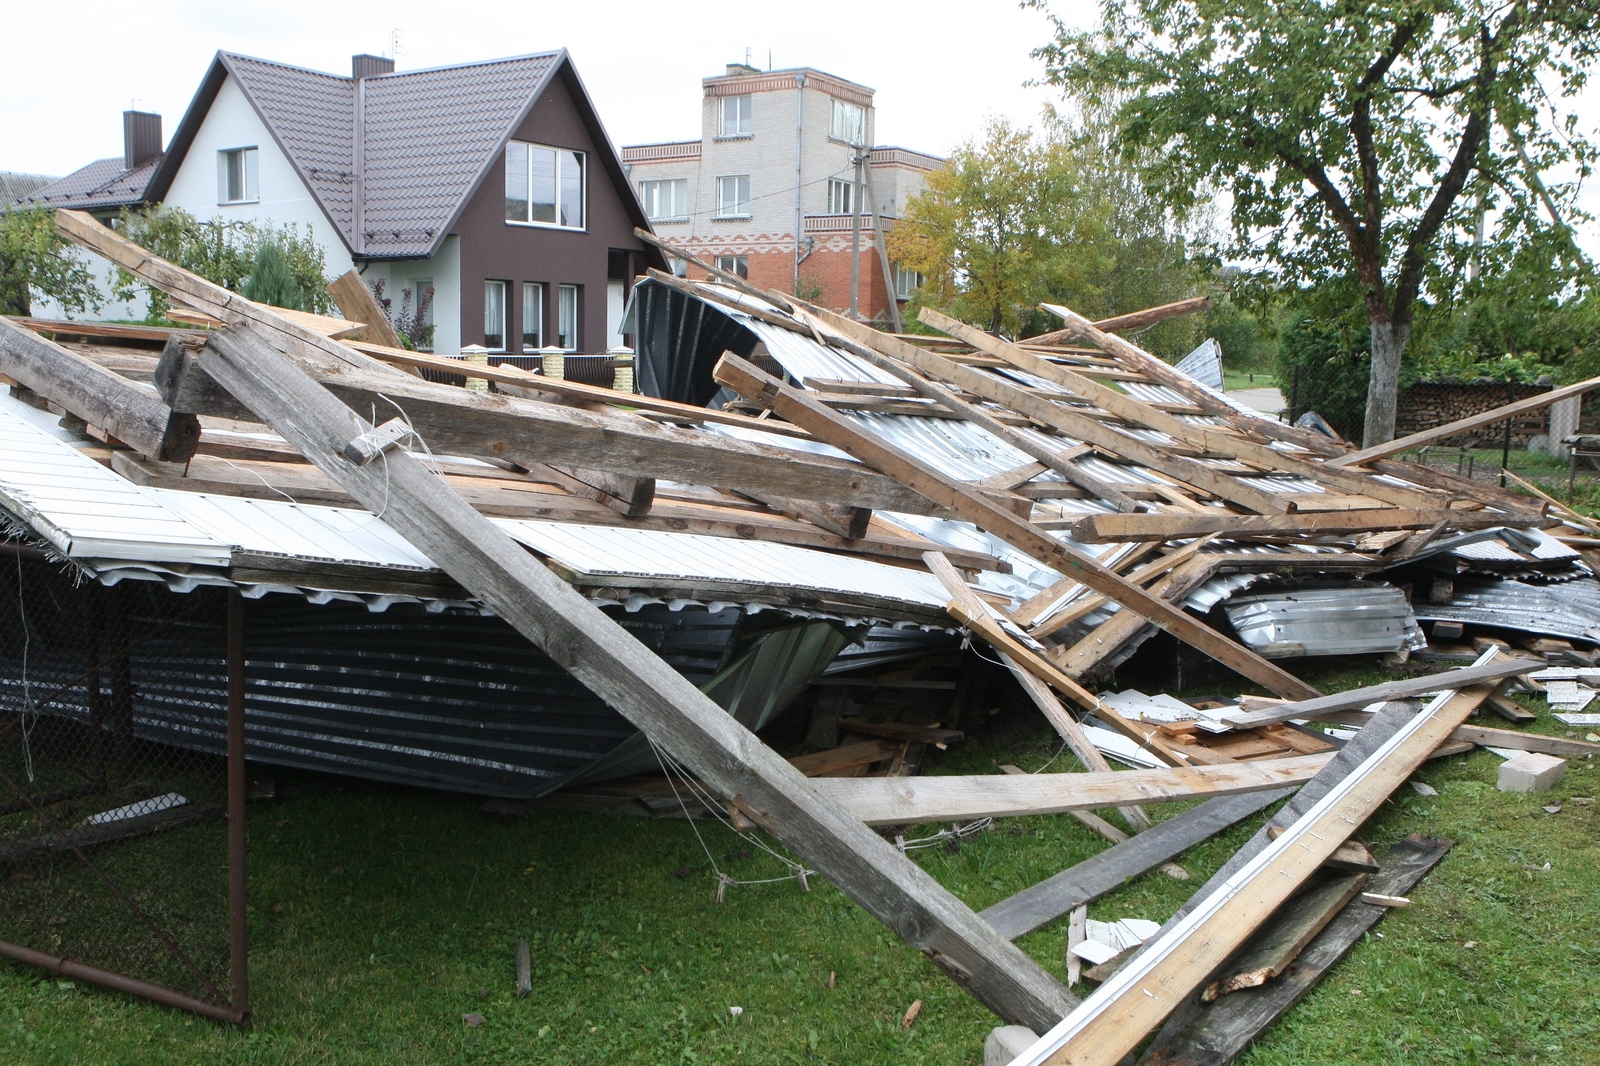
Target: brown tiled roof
105, 183
430, 137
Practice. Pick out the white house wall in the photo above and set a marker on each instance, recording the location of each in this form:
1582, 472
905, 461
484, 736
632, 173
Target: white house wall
230, 123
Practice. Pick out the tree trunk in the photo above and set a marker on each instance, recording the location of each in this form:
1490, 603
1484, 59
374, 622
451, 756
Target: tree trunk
1383, 388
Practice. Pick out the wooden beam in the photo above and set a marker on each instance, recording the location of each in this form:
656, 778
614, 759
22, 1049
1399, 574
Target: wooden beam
666, 706
1118, 529
129, 412
1518, 741
1356, 698
1113, 1021
463, 422
1273, 950
1039, 905
1130, 322
1464, 425
1216, 1034
967, 504
1208, 438
356, 302
1109, 636
897, 801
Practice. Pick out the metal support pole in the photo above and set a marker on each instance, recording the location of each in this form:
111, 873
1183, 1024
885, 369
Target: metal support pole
1505, 450
237, 930
855, 237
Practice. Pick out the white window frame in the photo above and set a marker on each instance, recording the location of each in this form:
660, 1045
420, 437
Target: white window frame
738, 123
490, 286
650, 198
842, 116
567, 305
902, 275
733, 263
740, 206
534, 289
249, 157
840, 194
560, 154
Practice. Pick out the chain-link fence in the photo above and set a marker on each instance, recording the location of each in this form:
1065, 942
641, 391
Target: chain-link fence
114, 844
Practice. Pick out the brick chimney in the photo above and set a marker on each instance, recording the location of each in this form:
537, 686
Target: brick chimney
141, 138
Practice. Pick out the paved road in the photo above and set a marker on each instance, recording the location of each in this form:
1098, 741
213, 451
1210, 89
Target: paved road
1267, 401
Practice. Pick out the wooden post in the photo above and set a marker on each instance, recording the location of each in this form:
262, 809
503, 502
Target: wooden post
357, 304
673, 713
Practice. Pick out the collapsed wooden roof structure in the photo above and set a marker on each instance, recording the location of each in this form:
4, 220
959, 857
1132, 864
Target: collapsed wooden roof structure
1057, 501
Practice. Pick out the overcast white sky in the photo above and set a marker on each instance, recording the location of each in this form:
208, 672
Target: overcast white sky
939, 66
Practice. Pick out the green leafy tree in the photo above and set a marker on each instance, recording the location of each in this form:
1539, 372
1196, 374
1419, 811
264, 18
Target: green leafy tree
1018, 216
1357, 139
37, 262
223, 251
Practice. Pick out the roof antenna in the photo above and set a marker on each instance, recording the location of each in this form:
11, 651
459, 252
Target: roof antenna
747, 55
769, 61
394, 42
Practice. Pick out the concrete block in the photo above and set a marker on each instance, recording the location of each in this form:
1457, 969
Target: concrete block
1006, 1043
1532, 771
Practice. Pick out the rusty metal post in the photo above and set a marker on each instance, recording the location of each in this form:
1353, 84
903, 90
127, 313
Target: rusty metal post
237, 929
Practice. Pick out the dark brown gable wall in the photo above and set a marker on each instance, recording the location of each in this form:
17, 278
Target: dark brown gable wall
493, 250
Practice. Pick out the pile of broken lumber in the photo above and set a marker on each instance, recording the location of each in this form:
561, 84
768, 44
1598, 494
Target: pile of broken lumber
1058, 500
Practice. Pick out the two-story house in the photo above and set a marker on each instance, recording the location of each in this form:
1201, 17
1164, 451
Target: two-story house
492, 183
767, 190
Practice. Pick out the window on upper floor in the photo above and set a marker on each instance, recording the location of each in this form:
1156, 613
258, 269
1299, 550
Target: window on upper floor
665, 199
736, 116
494, 315
237, 176
841, 194
733, 196
734, 264
544, 186
848, 123
906, 282
567, 317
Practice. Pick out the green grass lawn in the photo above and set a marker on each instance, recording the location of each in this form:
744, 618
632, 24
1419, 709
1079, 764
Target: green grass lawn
379, 916
1239, 379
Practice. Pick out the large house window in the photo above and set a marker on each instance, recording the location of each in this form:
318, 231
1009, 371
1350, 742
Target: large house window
494, 315
237, 176
906, 282
532, 316
848, 123
733, 196
840, 193
567, 317
736, 116
544, 186
665, 199
734, 264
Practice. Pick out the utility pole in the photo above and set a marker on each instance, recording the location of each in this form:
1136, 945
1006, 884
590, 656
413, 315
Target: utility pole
883, 254
859, 158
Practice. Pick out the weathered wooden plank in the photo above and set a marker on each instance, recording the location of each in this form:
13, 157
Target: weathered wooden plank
1519, 741
129, 412
1464, 425
896, 801
356, 302
1271, 951
1113, 1021
1129, 322
965, 503
1356, 698
657, 699
1216, 1034
1039, 905
1106, 639
528, 432
1116, 529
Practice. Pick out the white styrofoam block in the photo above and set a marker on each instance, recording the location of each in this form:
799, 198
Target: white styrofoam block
1532, 771
1006, 1043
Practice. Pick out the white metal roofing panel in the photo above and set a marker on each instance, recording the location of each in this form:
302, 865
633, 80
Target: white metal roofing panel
804, 358
305, 531
655, 554
84, 509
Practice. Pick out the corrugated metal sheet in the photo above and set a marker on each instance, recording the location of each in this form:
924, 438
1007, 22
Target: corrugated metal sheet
1569, 609
1204, 364
1353, 620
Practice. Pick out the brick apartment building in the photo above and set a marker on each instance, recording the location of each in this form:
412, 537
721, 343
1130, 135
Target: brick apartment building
767, 190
